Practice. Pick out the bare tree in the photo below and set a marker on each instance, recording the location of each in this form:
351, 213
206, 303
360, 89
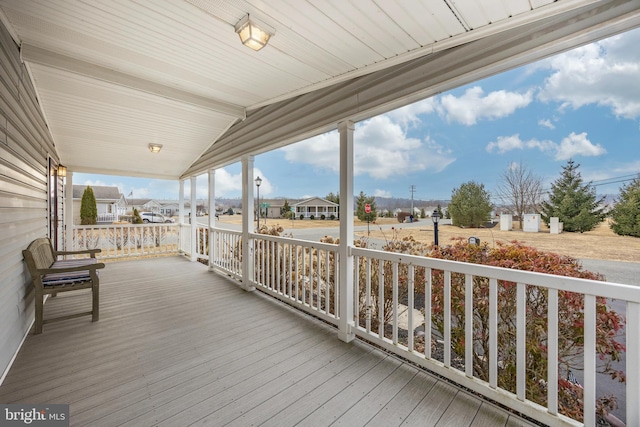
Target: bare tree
520, 190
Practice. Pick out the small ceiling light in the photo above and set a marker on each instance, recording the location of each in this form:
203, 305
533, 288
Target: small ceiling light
62, 171
155, 148
251, 35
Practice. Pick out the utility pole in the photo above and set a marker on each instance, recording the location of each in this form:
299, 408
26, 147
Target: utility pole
412, 188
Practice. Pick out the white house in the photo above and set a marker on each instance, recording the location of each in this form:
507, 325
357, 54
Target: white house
109, 202
316, 207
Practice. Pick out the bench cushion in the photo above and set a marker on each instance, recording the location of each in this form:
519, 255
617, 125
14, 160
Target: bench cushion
68, 278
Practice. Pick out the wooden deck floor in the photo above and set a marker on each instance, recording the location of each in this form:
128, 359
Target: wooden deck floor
177, 345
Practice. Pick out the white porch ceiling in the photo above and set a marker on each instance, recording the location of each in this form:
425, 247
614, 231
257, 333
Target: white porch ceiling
113, 76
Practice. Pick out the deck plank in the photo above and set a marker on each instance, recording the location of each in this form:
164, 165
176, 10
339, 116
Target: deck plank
179, 345
403, 403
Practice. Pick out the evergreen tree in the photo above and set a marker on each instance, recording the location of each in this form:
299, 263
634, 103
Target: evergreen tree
626, 213
137, 219
573, 202
470, 205
285, 208
88, 208
362, 200
335, 198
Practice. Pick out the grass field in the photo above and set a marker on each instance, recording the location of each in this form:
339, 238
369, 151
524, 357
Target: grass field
600, 243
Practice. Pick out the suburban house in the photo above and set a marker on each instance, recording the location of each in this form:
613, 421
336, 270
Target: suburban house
167, 208
203, 325
316, 208
110, 203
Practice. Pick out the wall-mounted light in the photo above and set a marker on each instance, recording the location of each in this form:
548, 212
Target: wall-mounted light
62, 171
251, 34
155, 148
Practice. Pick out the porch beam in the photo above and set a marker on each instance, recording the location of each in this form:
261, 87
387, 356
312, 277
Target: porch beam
346, 324
247, 223
41, 56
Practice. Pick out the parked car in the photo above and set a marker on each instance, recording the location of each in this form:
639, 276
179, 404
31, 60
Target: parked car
148, 217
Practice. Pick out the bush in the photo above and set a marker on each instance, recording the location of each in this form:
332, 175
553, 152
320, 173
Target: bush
332, 217
301, 216
323, 216
312, 217
570, 317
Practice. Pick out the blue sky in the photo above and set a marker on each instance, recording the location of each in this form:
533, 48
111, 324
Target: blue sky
582, 105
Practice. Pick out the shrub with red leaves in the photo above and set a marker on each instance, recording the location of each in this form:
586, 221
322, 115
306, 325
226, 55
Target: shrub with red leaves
515, 255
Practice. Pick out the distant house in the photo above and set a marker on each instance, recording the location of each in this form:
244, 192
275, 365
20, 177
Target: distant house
109, 202
316, 207
167, 208
143, 205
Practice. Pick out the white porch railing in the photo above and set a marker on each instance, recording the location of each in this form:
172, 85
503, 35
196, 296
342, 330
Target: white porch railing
227, 249
107, 217
392, 268
301, 273
304, 274
127, 240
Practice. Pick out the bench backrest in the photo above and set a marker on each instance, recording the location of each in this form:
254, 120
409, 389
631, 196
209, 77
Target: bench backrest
39, 254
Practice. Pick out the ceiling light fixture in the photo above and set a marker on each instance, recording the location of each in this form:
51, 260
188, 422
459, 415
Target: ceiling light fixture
252, 35
155, 148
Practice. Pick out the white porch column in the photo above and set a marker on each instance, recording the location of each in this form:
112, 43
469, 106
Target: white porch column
345, 281
68, 212
181, 246
633, 370
181, 203
247, 223
194, 221
212, 216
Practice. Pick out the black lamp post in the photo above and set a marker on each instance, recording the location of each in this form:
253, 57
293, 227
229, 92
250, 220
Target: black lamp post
258, 182
435, 217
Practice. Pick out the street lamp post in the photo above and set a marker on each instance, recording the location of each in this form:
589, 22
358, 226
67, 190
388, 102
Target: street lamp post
435, 217
258, 182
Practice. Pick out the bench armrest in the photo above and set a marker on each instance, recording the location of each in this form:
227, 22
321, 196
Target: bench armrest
92, 252
87, 267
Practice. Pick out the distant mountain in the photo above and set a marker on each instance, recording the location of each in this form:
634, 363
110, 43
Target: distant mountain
396, 203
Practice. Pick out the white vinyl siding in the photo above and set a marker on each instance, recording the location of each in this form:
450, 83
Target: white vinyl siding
25, 146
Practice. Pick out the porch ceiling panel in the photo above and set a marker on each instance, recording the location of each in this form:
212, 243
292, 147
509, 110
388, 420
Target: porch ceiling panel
114, 76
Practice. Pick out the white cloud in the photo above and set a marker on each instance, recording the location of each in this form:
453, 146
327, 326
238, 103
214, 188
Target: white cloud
513, 142
382, 149
227, 183
578, 145
604, 73
474, 105
571, 146
546, 123
407, 116
382, 193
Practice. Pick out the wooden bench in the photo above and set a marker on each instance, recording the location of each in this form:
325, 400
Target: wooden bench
51, 275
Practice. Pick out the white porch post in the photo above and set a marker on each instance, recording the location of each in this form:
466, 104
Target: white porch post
68, 212
247, 223
194, 221
212, 216
345, 282
181, 215
633, 370
181, 203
